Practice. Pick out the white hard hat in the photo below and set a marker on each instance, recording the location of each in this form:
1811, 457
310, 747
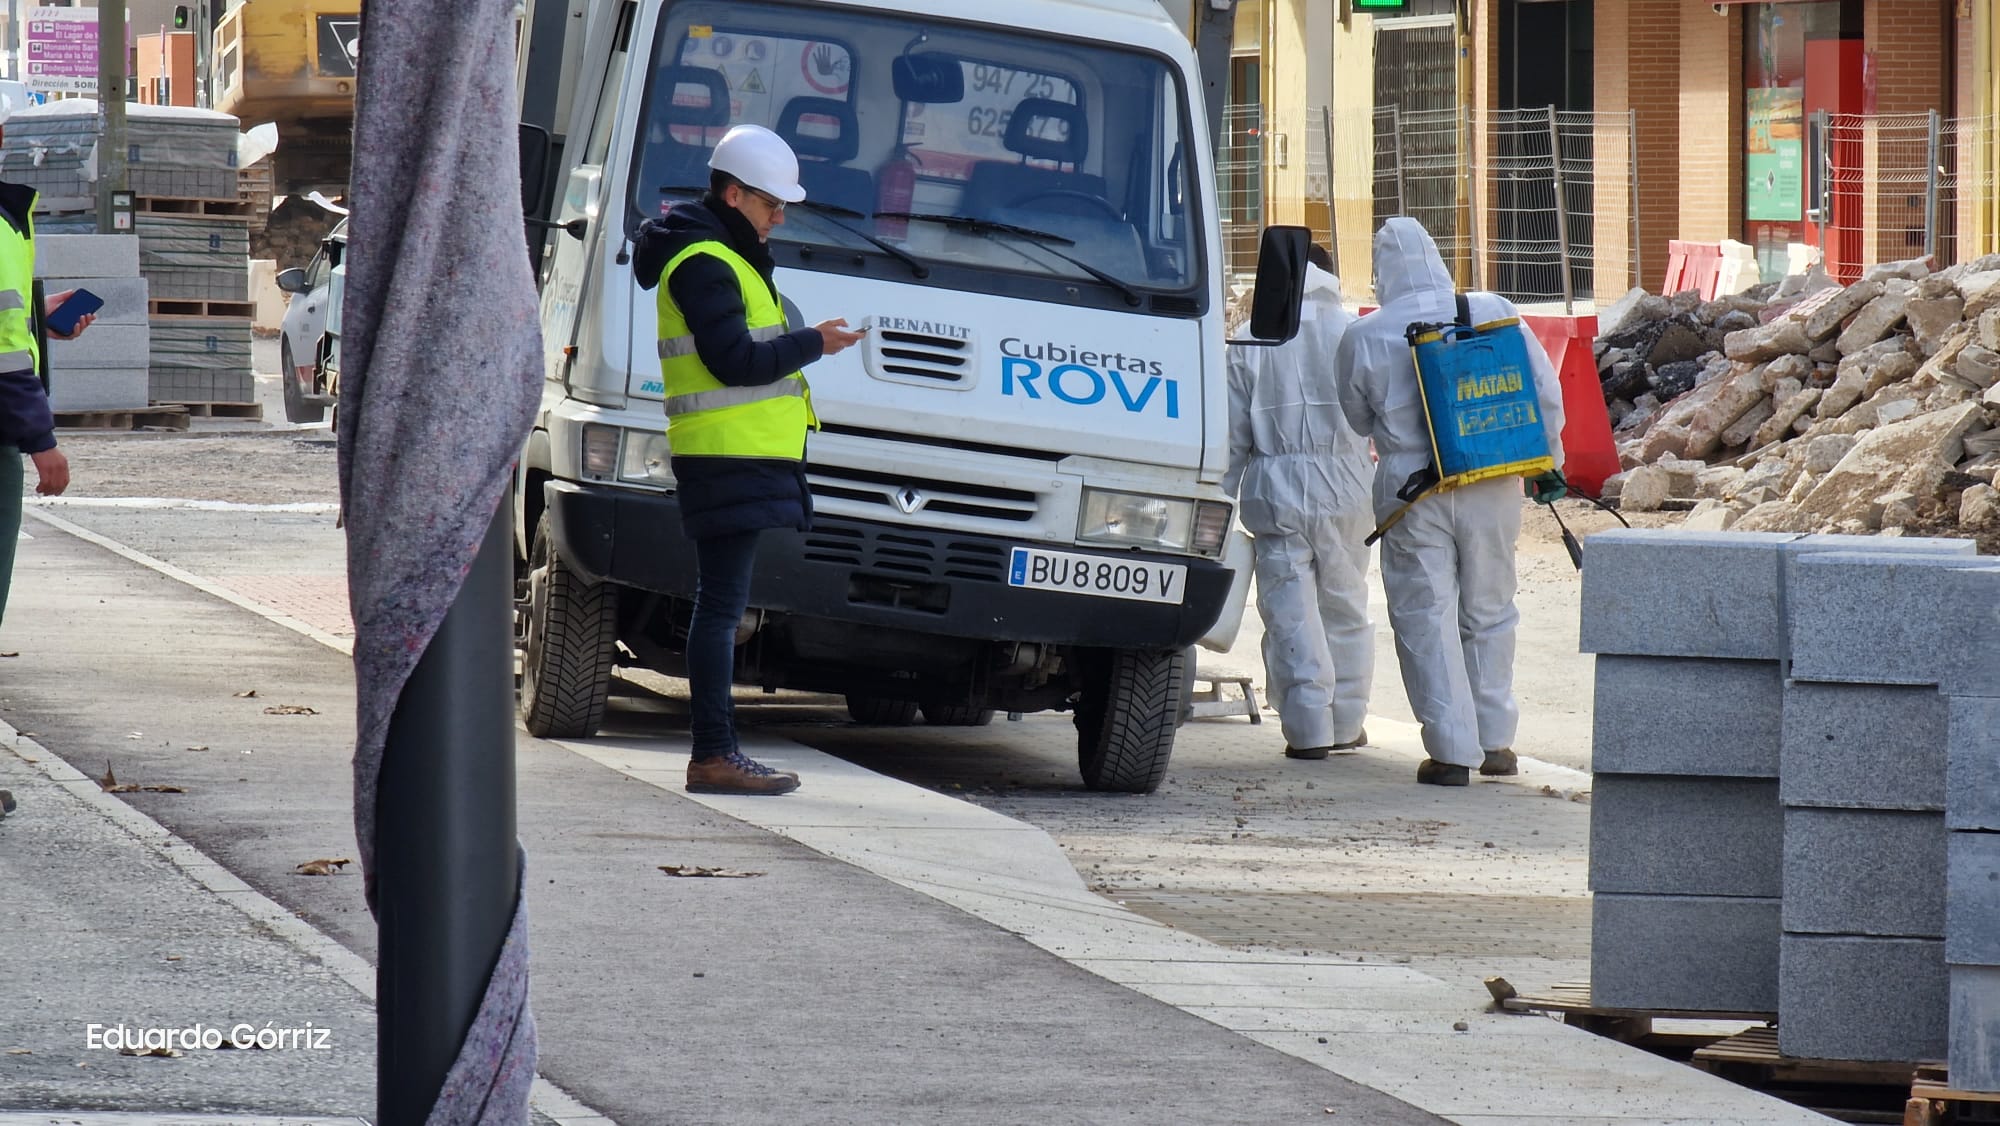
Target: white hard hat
761, 159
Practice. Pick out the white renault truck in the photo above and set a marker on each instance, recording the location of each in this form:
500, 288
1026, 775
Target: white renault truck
1016, 480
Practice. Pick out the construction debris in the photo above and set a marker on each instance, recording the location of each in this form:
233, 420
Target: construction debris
1808, 406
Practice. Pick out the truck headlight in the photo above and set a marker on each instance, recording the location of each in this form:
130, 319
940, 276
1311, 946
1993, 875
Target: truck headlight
600, 451
646, 460
1133, 520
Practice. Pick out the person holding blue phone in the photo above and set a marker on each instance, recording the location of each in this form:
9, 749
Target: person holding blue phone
27, 424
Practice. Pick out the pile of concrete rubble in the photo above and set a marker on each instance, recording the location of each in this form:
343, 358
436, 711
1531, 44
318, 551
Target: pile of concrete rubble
1807, 406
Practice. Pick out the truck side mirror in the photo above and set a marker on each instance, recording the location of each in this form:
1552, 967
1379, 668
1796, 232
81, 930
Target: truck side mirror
292, 280
535, 145
1281, 286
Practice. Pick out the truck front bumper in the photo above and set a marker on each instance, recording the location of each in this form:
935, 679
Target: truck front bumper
872, 574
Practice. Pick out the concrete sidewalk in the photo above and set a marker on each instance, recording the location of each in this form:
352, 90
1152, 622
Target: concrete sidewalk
901, 956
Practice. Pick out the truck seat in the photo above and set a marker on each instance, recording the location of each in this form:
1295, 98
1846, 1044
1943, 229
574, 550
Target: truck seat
685, 99
826, 134
997, 185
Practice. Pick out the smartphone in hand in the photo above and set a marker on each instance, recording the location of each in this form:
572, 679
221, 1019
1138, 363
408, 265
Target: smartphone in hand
81, 304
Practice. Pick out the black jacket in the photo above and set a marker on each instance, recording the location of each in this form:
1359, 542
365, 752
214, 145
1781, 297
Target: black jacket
722, 496
25, 419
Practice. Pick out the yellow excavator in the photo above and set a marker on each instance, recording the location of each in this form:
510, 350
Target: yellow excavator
293, 62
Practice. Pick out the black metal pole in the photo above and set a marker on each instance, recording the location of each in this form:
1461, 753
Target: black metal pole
447, 873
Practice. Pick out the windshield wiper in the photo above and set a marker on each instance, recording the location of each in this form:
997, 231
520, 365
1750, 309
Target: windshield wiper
1047, 241
828, 211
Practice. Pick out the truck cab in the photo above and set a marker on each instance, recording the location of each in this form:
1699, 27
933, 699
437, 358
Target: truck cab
1016, 477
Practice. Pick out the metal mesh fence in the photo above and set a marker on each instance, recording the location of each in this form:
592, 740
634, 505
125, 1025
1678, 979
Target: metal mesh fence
1894, 186
1486, 188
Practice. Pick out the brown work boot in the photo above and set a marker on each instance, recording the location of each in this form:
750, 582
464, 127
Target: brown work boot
1500, 764
1306, 752
737, 773
1431, 772
1360, 740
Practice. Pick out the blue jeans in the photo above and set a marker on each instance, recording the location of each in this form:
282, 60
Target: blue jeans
722, 591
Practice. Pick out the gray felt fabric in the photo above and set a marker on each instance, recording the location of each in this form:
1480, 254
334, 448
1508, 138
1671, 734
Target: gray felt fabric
441, 375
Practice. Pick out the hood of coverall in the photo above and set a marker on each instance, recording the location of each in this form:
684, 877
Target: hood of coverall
1322, 285
1410, 273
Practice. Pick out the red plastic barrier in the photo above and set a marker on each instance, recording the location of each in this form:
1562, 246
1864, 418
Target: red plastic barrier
1589, 454
1693, 265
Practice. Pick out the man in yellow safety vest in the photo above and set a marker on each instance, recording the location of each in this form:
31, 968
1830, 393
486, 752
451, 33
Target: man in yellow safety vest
27, 425
737, 411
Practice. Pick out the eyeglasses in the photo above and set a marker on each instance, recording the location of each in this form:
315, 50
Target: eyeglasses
776, 205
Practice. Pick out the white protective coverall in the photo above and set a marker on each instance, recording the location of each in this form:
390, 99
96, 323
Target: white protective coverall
1300, 475
1448, 565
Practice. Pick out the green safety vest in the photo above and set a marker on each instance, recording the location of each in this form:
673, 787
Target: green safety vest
17, 277
707, 417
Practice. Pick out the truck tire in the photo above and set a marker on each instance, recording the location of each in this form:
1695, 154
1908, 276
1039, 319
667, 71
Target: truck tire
874, 711
956, 715
1126, 716
570, 649
297, 410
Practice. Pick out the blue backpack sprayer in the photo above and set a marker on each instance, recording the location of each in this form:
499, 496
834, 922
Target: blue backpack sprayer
1483, 412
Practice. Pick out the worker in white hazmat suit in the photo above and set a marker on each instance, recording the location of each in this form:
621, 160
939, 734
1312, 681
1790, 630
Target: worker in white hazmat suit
1448, 564
1301, 477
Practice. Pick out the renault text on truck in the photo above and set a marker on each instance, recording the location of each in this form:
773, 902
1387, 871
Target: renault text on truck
1016, 477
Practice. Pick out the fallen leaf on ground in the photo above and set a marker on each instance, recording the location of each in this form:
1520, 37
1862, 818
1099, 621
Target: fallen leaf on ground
135, 788
247, 694
289, 709
696, 870
19, 1052
173, 957
136, 735
322, 867
163, 1053
13, 654
203, 747
109, 780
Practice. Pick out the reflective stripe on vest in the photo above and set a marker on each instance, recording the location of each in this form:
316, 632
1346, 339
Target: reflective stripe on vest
17, 276
707, 417
684, 345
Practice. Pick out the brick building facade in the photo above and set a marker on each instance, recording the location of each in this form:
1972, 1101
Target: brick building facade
1721, 98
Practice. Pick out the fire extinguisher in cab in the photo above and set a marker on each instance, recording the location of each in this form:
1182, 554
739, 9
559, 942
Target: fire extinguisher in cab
895, 188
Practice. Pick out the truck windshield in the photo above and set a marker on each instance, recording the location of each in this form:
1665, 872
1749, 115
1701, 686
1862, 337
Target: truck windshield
900, 119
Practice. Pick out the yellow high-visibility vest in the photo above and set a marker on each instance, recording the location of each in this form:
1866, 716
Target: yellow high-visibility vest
707, 417
17, 279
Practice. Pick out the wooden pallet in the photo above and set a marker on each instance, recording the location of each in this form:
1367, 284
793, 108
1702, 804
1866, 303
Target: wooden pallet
1570, 1002
238, 208
252, 411
1756, 1050
1935, 1102
169, 417
195, 307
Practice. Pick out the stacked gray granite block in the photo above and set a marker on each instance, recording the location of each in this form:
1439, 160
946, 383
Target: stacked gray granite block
1768, 833
1685, 827
1870, 870
106, 368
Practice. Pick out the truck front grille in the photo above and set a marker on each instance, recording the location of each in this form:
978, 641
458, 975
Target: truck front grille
912, 554
910, 495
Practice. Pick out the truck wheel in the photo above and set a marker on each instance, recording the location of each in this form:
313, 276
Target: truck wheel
956, 715
1126, 715
296, 408
570, 648
873, 711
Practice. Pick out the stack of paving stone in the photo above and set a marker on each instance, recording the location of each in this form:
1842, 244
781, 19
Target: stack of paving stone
192, 226
105, 368
1774, 716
